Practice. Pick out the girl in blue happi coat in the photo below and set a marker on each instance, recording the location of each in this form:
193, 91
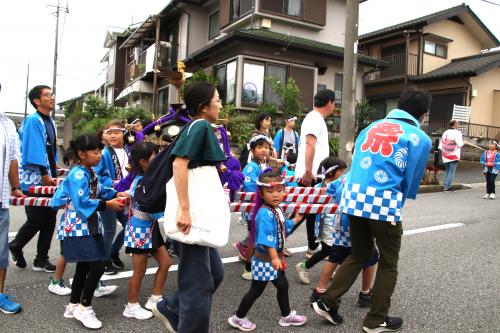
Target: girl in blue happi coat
143, 238
82, 196
268, 258
490, 160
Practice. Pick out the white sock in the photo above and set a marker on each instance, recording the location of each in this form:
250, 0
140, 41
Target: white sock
156, 298
132, 304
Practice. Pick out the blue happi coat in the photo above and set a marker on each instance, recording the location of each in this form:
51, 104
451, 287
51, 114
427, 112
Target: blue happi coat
33, 138
252, 171
106, 169
496, 161
74, 192
340, 222
389, 161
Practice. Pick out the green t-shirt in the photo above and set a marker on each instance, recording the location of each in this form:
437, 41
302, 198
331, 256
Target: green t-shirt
199, 145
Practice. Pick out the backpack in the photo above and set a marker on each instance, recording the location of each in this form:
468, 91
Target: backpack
150, 193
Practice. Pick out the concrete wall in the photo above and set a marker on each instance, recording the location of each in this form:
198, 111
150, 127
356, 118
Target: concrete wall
485, 106
464, 43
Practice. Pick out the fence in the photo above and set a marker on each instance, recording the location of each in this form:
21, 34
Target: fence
468, 129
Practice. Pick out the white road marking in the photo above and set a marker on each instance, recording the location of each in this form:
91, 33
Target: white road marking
13, 234
228, 260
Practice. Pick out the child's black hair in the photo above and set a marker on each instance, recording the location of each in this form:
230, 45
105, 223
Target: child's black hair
291, 157
329, 162
259, 142
141, 151
83, 143
69, 157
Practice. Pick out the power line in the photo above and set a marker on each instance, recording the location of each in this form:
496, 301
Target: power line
491, 2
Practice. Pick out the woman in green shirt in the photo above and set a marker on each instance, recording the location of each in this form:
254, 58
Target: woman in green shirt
200, 267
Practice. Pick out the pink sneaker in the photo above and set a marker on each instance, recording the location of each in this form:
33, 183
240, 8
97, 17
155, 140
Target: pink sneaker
293, 319
242, 324
241, 249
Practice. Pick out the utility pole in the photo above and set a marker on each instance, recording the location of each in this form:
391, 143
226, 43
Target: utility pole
26, 99
348, 116
56, 44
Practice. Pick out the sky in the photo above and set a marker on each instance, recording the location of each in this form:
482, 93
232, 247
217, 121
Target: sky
27, 33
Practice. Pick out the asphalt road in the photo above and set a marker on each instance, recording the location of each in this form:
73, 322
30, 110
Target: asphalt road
449, 279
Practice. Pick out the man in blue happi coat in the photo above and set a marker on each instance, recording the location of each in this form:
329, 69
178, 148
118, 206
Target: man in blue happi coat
388, 163
38, 168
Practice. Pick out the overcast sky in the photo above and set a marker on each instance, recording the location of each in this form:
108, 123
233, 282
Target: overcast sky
27, 36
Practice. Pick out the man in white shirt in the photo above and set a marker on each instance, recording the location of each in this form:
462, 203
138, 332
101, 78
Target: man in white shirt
314, 148
450, 146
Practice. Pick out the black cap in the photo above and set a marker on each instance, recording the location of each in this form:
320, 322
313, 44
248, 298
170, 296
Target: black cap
323, 96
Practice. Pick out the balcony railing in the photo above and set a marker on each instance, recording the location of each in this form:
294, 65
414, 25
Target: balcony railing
467, 129
134, 69
399, 66
167, 57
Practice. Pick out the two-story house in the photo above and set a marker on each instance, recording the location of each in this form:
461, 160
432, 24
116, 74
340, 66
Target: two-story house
442, 53
244, 41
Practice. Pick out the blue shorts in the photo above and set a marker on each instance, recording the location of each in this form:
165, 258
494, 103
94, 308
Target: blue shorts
4, 237
339, 253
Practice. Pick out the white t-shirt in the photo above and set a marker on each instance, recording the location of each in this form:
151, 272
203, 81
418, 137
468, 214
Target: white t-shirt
2, 155
450, 145
313, 124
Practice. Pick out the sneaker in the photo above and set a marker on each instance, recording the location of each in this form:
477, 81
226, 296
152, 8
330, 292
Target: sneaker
59, 288
315, 296
168, 317
43, 265
172, 253
17, 257
242, 324
104, 290
152, 300
486, 196
247, 275
86, 316
7, 306
390, 324
311, 252
492, 196
70, 309
287, 252
116, 261
109, 269
241, 249
328, 312
364, 300
136, 311
302, 273
293, 319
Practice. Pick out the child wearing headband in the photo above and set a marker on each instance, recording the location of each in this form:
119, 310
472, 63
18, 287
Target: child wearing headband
330, 169
490, 160
260, 148
268, 259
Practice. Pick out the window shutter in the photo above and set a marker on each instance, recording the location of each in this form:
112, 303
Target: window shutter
304, 78
314, 11
224, 12
273, 6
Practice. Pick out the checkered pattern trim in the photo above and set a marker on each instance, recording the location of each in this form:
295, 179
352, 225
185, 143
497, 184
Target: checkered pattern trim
11, 153
369, 202
140, 233
60, 229
263, 270
342, 238
79, 229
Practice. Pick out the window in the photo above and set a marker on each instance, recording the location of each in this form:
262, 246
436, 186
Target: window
278, 72
436, 49
213, 25
293, 8
239, 8
320, 87
253, 83
338, 88
226, 75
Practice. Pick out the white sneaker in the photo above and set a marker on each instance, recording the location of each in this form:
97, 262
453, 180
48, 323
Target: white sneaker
310, 253
86, 316
247, 275
152, 300
103, 290
59, 289
136, 311
486, 196
70, 308
492, 196
287, 252
302, 273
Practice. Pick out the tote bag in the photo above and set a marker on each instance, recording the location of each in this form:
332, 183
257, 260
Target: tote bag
209, 208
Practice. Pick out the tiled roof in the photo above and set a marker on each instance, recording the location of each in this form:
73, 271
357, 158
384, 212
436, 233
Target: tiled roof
462, 67
428, 19
289, 41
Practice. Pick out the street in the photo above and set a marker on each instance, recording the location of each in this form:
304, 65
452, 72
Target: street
449, 278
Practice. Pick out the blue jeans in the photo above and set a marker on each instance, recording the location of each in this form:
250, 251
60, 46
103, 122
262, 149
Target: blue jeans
109, 218
200, 273
450, 169
4, 237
